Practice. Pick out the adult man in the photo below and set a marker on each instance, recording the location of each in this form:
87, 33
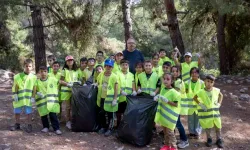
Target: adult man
132, 54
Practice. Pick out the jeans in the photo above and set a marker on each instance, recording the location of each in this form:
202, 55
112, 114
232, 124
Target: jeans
181, 130
53, 119
194, 126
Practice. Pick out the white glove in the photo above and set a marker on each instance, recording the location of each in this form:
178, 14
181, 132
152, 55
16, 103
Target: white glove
32, 99
39, 94
15, 97
84, 84
152, 94
139, 91
114, 102
203, 106
124, 93
70, 84
218, 105
164, 99
197, 55
79, 82
176, 49
95, 84
156, 98
134, 93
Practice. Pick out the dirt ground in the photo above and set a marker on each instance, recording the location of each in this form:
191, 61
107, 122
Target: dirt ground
235, 131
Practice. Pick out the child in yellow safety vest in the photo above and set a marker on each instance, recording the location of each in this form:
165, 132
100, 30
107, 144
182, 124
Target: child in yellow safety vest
50, 59
99, 58
83, 66
55, 71
148, 81
168, 111
45, 93
139, 69
108, 90
98, 70
69, 75
156, 67
22, 92
89, 70
163, 57
193, 86
117, 64
209, 101
127, 85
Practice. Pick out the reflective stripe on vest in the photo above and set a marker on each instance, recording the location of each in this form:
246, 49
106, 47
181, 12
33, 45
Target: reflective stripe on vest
148, 85
185, 69
126, 84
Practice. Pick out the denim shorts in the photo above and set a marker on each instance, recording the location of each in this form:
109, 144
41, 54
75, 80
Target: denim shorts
28, 110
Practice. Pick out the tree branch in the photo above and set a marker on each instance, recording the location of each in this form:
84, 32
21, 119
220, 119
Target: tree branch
45, 26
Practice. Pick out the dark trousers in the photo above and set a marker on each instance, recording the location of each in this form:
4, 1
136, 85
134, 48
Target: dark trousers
105, 119
181, 130
53, 119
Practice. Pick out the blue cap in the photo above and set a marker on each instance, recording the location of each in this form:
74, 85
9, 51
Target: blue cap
109, 62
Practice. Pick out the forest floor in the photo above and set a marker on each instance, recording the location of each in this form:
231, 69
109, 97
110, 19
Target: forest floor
235, 120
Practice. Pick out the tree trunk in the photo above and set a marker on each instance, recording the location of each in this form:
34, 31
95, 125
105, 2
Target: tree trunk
173, 26
222, 46
127, 23
38, 37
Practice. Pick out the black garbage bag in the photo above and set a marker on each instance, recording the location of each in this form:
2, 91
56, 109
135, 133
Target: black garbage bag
83, 107
138, 120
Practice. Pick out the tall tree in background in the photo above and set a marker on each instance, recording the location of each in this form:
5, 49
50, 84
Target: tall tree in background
173, 26
126, 5
38, 36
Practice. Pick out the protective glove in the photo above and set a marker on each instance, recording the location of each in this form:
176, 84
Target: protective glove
32, 99
15, 97
124, 93
218, 105
134, 93
79, 82
84, 84
156, 98
70, 84
95, 84
152, 94
39, 94
139, 91
114, 102
164, 99
203, 106
197, 55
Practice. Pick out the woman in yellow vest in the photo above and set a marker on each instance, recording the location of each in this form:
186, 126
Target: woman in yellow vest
118, 58
139, 69
168, 111
69, 75
107, 96
179, 85
209, 101
193, 86
22, 91
47, 100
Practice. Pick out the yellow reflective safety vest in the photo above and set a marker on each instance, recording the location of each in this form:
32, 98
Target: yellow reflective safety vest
57, 75
87, 73
185, 69
116, 69
148, 85
102, 64
136, 79
80, 74
50, 102
189, 103
158, 70
23, 86
210, 117
162, 60
69, 76
166, 114
110, 92
180, 87
126, 84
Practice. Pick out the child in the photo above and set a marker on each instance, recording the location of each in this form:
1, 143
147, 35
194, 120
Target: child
69, 75
51, 59
83, 66
163, 57
127, 85
89, 71
99, 58
180, 87
107, 97
166, 68
22, 92
112, 57
55, 70
148, 81
139, 69
187, 65
192, 88
168, 111
47, 102
118, 58
209, 100
98, 70
156, 67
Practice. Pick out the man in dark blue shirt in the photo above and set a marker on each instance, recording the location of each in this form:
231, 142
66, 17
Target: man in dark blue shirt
132, 55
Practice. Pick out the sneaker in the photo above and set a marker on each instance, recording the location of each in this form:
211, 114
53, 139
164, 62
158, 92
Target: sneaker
29, 128
68, 125
165, 147
209, 142
108, 133
58, 132
45, 130
101, 131
219, 143
183, 144
15, 127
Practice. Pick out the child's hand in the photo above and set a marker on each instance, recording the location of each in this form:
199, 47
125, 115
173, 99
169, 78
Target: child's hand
32, 99
218, 104
203, 106
152, 94
164, 99
139, 91
134, 93
39, 94
15, 97
70, 84
124, 93
114, 102
156, 98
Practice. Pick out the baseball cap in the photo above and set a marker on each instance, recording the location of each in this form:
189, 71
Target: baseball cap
120, 52
69, 57
188, 54
109, 62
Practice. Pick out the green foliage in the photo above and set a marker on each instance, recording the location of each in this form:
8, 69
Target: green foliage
215, 72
